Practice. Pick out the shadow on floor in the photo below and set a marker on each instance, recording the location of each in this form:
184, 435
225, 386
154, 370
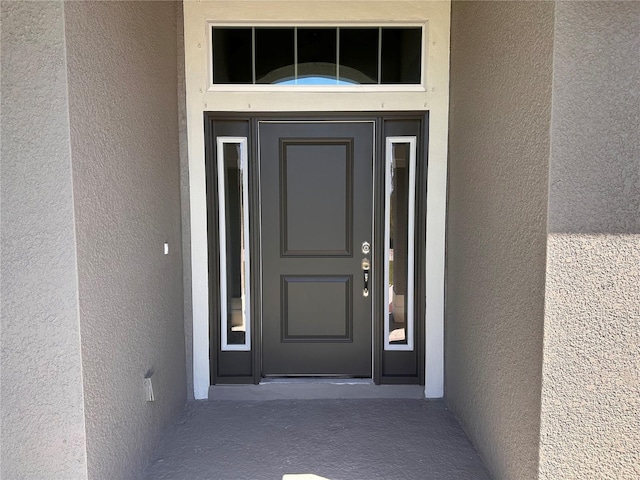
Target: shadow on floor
316, 440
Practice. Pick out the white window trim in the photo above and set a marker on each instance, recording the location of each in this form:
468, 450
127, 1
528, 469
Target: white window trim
420, 87
409, 316
222, 232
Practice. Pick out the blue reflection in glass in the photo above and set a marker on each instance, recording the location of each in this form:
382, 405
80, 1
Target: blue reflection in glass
315, 80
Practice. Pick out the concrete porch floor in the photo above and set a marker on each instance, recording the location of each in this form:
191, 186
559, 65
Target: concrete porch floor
353, 439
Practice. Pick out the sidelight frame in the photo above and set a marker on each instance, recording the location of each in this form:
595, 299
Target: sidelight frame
389, 367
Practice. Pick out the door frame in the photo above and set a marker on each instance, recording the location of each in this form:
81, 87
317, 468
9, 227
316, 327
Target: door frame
292, 118
382, 121
432, 97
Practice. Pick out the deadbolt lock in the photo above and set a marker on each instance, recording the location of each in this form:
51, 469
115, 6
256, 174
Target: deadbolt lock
366, 248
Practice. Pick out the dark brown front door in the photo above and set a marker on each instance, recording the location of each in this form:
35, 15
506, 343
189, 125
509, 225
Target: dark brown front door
316, 181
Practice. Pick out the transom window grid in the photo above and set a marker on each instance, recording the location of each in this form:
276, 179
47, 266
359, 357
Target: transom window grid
244, 57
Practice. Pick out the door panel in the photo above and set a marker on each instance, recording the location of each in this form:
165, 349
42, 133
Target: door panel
316, 308
316, 184
314, 223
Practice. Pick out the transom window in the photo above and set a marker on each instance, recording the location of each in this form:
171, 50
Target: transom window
317, 55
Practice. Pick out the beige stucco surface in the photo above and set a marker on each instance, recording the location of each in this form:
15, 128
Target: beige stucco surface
591, 388
501, 67
42, 433
590, 425
595, 166
184, 199
124, 138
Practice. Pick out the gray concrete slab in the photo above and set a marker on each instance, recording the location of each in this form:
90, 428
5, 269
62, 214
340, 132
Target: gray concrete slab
317, 389
346, 439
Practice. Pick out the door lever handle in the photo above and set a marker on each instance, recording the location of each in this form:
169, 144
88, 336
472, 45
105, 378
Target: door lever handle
366, 267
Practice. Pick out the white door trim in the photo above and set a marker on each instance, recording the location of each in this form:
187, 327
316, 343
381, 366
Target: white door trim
433, 98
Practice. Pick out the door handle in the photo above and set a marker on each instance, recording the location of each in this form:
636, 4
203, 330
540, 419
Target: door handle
366, 267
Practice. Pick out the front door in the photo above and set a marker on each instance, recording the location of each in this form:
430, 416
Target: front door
316, 183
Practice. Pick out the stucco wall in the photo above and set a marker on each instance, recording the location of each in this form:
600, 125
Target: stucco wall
42, 427
184, 195
501, 66
590, 425
124, 135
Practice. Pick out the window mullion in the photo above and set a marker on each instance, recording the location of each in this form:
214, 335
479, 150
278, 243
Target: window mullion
253, 55
338, 55
379, 55
295, 54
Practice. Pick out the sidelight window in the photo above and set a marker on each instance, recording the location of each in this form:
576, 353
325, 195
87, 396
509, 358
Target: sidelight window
399, 250
233, 228
317, 55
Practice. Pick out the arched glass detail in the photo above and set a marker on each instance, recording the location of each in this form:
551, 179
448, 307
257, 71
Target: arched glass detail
315, 80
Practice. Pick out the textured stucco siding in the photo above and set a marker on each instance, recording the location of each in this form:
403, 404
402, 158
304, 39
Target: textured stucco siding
42, 427
591, 389
590, 421
122, 65
501, 70
185, 206
595, 167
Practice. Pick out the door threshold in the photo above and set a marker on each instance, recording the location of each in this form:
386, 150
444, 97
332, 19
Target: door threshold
313, 389
313, 380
